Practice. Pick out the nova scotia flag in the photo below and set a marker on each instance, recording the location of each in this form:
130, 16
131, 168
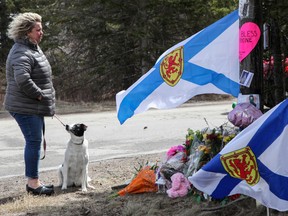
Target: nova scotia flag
254, 163
206, 62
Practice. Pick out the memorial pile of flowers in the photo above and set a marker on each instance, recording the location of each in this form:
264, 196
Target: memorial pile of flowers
199, 148
171, 175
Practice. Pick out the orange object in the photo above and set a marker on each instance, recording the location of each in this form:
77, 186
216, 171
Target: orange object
142, 183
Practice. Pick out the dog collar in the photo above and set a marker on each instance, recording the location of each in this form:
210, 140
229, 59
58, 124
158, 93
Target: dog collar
78, 143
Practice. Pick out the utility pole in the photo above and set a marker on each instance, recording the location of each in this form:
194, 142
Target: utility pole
251, 52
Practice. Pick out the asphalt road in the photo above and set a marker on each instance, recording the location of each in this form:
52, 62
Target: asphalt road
151, 132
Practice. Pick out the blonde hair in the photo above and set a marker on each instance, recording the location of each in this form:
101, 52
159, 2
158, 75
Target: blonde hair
22, 24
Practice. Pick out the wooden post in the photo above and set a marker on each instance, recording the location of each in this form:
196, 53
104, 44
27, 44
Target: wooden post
250, 16
250, 11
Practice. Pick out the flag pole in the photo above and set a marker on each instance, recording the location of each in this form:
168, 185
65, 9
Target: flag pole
268, 211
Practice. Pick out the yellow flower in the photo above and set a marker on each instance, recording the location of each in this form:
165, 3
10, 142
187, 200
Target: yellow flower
227, 139
201, 147
205, 149
208, 150
190, 137
204, 136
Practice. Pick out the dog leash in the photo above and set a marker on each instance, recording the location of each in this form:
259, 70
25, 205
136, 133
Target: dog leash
44, 140
59, 120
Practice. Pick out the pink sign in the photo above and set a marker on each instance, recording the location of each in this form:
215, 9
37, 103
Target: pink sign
249, 36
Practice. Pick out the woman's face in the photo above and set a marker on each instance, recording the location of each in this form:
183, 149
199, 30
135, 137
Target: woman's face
36, 33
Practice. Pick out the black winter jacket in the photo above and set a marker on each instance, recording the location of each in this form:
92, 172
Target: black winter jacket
29, 75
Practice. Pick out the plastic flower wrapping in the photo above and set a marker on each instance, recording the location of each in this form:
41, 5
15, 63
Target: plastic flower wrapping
199, 148
203, 145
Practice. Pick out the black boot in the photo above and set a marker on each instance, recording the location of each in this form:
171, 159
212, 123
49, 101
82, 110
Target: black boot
42, 190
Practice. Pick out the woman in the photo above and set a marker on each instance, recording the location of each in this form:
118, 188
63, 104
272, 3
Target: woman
30, 94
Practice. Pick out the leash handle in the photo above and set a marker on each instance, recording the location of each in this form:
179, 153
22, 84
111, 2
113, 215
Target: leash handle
44, 141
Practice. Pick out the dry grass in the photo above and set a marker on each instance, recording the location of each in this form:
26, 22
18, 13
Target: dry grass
14, 201
26, 203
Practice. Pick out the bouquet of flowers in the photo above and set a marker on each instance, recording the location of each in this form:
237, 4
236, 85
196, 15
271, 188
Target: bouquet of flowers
199, 148
202, 146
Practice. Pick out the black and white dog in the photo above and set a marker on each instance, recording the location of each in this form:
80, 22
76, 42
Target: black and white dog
74, 170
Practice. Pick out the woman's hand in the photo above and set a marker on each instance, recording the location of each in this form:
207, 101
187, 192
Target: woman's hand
39, 98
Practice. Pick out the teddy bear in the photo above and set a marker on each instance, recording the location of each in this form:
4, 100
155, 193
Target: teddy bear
180, 186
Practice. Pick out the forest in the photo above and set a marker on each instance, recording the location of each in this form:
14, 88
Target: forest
99, 47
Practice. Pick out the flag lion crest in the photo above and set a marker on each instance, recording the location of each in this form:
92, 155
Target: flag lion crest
171, 68
242, 164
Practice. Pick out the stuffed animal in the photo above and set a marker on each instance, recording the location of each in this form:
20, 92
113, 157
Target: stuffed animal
180, 186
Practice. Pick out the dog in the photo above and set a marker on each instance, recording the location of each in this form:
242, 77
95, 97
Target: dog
74, 170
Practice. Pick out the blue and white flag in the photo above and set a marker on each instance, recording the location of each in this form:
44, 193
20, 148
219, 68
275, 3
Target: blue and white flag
254, 163
206, 62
